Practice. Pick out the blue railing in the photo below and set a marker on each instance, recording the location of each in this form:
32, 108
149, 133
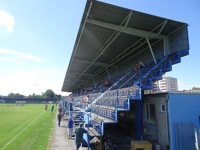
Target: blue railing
144, 76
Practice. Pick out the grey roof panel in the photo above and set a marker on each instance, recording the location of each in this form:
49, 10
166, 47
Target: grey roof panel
105, 32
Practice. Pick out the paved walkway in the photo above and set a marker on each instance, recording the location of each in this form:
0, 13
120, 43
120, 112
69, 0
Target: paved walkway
60, 138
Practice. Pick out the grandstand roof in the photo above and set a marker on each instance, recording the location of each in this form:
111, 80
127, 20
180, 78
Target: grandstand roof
108, 35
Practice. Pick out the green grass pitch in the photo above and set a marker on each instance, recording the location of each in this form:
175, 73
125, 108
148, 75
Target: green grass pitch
28, 127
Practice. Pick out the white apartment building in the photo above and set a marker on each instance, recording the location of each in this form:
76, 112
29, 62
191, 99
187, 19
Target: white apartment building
167, 84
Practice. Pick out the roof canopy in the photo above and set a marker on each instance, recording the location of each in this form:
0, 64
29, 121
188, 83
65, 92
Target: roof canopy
108, 35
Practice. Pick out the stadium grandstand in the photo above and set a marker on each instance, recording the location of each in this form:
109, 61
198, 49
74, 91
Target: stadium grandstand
110, 42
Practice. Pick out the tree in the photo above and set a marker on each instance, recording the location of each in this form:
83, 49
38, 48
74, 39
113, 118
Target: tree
49, 93
195, 88
10, 95
15, 95
57, 96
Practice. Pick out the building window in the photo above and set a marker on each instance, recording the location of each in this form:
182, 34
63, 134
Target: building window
162, 108
150, 112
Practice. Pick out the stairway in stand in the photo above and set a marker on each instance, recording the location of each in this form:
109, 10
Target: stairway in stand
130, 87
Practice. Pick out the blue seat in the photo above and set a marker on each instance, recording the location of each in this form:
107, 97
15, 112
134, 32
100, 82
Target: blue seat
147, 84
126, 104
167, 66
157, 75
113, 115
184, 53
176, 58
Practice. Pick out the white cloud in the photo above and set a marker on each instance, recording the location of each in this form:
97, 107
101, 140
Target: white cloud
27, 82
7, 21
31, 81
20, 55
12, 61
5, 59
33, 73
19, 62
27, 56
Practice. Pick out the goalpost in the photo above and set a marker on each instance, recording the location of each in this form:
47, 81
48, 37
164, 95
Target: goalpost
20, 103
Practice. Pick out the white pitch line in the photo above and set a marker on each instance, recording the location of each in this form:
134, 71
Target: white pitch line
21, 131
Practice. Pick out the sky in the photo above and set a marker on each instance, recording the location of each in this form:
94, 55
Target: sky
37, 38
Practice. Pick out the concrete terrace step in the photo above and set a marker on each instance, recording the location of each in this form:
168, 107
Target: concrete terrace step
100, 108
101, 119
92, 132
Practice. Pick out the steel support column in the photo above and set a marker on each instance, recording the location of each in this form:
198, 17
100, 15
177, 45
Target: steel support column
151, 50
139, 116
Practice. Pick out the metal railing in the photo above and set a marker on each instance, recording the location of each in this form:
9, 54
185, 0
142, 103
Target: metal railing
150, 70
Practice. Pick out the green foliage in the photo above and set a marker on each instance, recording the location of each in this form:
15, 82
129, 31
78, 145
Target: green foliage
196, 88
49, 94
17, 95
26, 127
35, 96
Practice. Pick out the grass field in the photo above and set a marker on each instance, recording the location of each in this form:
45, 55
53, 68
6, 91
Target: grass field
28, 127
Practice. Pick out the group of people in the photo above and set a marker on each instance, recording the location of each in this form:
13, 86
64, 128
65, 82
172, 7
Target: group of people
99, 85
46, 107
78, 131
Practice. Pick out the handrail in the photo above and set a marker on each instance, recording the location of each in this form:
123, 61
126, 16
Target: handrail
141, 73
138, 76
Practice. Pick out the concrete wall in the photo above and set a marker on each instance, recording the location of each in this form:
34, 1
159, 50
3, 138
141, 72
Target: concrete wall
159, 130
180, 108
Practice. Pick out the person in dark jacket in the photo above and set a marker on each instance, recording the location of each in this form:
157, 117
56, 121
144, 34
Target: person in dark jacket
59, 117
79, 136
52, 108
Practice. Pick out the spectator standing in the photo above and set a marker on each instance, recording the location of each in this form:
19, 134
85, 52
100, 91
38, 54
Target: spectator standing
70, 128
45, 106
59, 117
79, 136
52, 108
139, 65
86, 100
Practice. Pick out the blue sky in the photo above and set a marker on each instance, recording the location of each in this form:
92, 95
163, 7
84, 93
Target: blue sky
37, 38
